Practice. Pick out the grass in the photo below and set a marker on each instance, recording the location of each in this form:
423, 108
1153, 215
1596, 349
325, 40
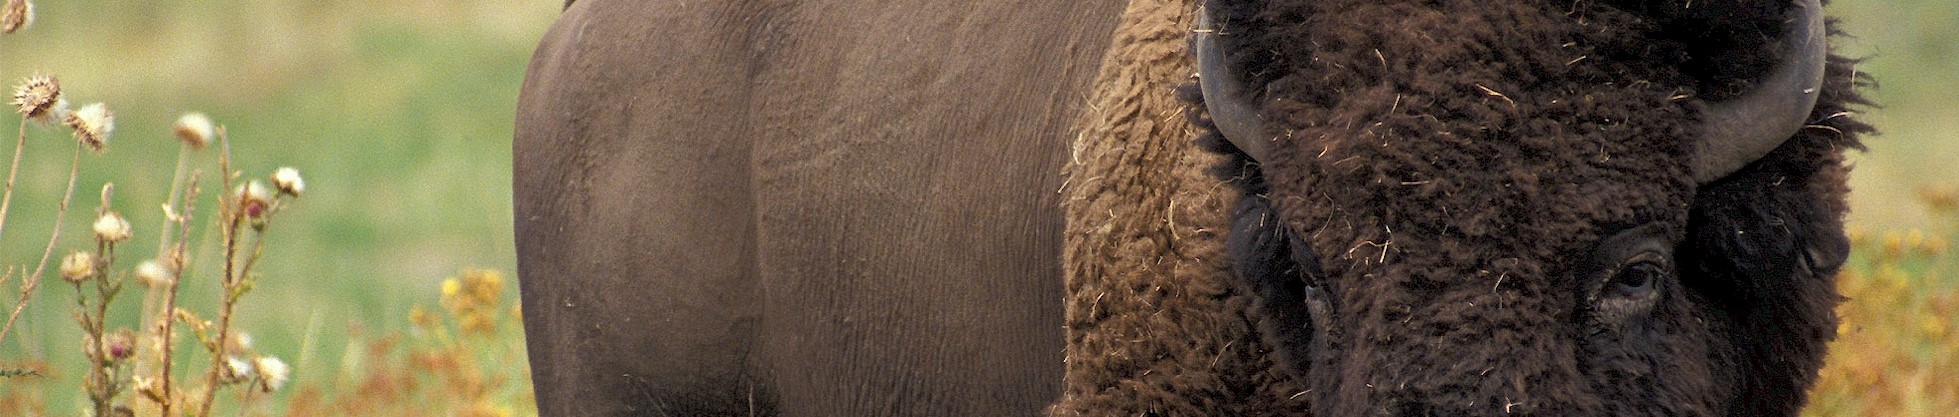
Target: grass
400, 115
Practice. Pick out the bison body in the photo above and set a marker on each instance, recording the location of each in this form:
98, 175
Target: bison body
1453, 207
806, 208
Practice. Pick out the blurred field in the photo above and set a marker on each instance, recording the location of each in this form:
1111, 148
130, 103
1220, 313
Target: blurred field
399, 114
1897, 352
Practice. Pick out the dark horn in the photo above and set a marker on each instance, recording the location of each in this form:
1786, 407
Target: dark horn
1739, 131
1225, 96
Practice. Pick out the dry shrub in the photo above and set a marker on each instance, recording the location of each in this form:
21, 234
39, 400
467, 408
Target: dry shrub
453, 362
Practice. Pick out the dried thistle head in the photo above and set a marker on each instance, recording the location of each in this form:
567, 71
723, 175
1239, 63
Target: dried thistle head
111, 228
36, 96
78, 267
92, 123
154, 275
236, 370
287, 180
16, 15
273, 373
194, 129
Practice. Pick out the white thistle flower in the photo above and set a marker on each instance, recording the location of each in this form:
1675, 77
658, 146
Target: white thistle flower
273, 372
238, 369
154, 275
194, 129
78, 267
92, 123
111, 227
287, 180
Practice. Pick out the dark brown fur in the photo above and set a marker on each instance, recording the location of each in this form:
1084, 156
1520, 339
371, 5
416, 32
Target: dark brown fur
1447, 161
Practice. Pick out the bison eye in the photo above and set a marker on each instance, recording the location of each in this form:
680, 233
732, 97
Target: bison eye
1636, 279
1624, 276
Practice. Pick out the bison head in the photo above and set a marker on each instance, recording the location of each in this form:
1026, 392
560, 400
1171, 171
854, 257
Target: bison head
1535, 207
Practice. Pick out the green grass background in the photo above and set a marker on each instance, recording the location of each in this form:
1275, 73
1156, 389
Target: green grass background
399, 115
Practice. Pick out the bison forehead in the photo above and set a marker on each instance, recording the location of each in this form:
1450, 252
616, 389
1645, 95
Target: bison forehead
1494, 131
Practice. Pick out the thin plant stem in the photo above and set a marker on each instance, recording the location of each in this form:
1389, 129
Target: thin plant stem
176, 187
104, 391
230, 217
6, 203
150, 313
104, 387
12, 172
179, 261
34, 280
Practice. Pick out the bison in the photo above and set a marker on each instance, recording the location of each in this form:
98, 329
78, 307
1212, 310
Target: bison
1162, 207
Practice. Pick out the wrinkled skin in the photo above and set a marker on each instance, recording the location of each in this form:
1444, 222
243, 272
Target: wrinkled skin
837, 208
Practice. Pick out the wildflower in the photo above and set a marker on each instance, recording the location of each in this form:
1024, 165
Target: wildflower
194, 129
111, 227
16, 15
287, 180
253, 199
237, 370
272, 372
92, 123
154, 275
422, 318
78, 267
121, 344
36, 95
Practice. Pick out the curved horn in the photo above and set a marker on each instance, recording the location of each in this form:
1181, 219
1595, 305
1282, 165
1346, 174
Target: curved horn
1224, 94
1741, 130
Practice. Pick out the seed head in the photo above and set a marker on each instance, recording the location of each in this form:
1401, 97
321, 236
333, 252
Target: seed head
92, 123
78, 267
154, 275
287, 180
253, 200
36, 96
16, 15
194, 129
272, 372
237, 370
111, 228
